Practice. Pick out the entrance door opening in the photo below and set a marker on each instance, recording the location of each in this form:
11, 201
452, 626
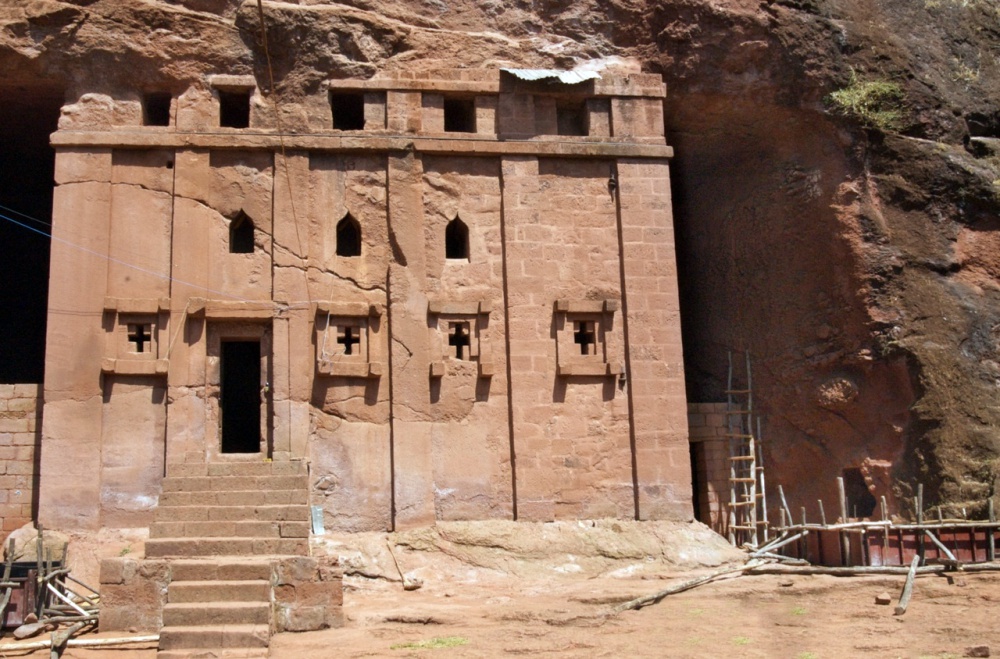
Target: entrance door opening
240, 396
27, 165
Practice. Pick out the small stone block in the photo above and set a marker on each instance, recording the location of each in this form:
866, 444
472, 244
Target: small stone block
977, 651
437, 369
611, 306
486, 369
883, 599
375, 369
562, 305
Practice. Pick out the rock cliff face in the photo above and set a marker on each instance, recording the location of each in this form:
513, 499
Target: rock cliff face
852, 249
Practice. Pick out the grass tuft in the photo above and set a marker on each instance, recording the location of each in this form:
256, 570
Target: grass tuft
873, 103
432, 644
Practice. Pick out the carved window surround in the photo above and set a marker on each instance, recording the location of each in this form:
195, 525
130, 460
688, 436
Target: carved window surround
347, 339
582, 328
467, 321
135, 327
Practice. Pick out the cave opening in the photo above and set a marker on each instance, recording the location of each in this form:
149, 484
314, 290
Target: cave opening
860, 502
27, 168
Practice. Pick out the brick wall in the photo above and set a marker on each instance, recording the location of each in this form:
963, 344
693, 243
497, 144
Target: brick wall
20, 423
710, 456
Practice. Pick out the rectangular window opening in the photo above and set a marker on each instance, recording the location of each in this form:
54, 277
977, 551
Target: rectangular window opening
459, 115
571, 119
234, 109
348, 110
156, 109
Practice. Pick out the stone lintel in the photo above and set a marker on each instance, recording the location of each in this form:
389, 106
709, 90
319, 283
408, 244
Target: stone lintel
136, 305
232, 83
227, 310
474, 308
134, 366
587, 306
349, 369
349, 309
593, 368
233, 138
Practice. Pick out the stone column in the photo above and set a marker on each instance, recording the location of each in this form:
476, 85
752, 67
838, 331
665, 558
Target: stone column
75, 343
656, 363
413, 479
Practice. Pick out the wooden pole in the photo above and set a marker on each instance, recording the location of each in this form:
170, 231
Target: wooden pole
80, 643
763, 483
646, 600
885, 530
991, 535
947, 552
920, 519
775, 545
904, 598
784, 504
804, 543
855, 571
845, 543
822, 513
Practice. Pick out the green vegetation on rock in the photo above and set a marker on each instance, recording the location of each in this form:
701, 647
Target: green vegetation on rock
873, 103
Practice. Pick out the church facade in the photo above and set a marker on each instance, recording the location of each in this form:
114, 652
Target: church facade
453, 296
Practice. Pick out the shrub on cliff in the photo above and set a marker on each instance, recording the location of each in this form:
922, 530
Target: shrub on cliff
873, 103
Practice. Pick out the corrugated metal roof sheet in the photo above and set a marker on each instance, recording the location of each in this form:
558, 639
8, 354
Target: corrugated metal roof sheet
565, 77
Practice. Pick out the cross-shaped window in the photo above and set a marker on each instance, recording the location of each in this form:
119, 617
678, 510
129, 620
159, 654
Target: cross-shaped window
459, 339
349, 336
584, 337
140, 338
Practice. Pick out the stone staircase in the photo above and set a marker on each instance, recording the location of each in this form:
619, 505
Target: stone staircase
221, 525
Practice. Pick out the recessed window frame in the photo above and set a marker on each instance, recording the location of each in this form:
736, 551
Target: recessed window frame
349, 237
234, 108
459, 114
347, 109
456, 240
242, 234
156, 108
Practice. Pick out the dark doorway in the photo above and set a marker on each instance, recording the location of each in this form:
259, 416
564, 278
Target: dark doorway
234, 109
348, 110
27, 163
240, 396
860, 502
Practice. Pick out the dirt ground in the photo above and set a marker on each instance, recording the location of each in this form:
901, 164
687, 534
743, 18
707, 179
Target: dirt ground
492, 602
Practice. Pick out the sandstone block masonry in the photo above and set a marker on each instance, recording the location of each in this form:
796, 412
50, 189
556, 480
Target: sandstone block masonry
20, 427
454, 295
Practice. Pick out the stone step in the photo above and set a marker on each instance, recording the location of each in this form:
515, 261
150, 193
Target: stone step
180, 547
191, 614
234, 483
216, 636
299, 496
220, 569
218, 591
220, 529
206, 653
279, 513
256, 468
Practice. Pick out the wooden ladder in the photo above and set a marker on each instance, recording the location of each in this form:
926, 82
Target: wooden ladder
747, 520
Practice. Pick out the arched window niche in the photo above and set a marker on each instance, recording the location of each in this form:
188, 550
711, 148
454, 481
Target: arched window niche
241, 234
456, 240
348, 236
